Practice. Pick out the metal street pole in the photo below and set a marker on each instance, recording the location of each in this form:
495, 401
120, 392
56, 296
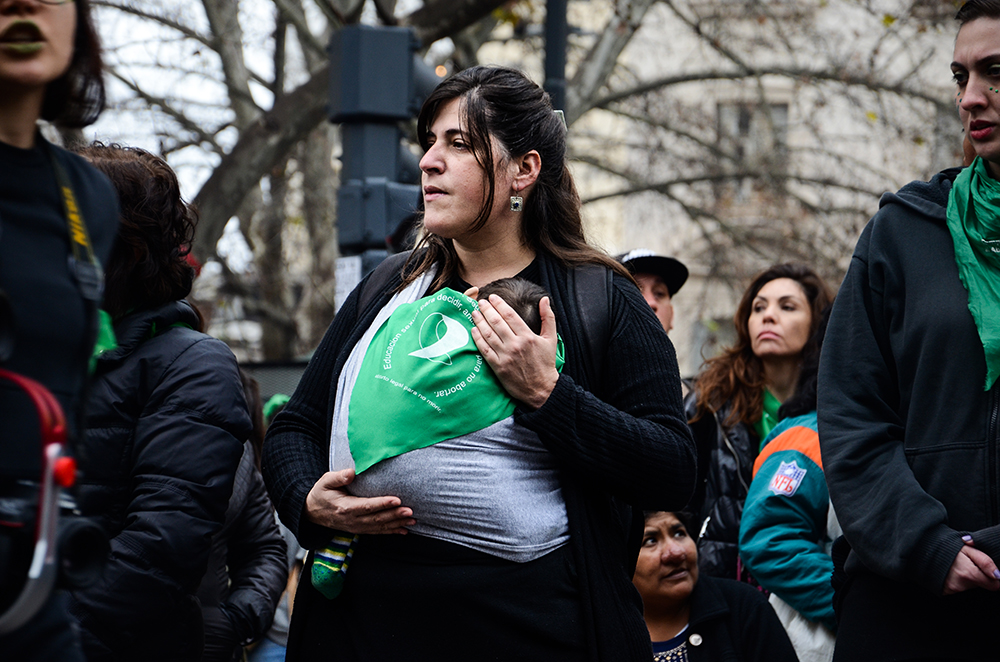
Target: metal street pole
556, 30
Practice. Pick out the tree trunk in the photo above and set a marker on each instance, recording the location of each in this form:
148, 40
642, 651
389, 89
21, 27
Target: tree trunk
319, 189
278, 332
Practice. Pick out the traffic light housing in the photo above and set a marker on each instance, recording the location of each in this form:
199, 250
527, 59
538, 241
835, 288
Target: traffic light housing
377, 80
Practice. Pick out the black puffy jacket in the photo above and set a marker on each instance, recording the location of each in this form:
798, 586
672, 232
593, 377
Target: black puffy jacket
725, 469
166, 422
247, 569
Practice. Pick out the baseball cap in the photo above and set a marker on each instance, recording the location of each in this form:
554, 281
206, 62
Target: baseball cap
644, 261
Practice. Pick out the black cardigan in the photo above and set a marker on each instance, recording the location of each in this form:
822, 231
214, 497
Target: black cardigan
627, 445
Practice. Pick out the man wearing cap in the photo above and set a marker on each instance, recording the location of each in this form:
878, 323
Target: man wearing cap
659, 278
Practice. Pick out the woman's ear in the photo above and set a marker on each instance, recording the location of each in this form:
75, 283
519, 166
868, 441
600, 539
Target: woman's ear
528, 167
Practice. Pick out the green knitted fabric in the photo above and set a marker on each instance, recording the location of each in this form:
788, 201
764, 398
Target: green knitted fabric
329, 566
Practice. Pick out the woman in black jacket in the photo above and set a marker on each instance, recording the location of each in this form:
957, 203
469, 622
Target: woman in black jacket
166, 422
909, 405
735, 400
499, 201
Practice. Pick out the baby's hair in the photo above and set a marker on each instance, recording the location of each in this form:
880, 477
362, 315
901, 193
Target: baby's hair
521, 295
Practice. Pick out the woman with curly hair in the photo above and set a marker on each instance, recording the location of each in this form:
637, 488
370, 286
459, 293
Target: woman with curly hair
735, 401
166, 422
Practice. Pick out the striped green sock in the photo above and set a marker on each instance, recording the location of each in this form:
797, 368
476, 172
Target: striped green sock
329, 566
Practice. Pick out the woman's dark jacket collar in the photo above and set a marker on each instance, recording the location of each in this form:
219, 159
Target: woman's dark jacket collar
137, 327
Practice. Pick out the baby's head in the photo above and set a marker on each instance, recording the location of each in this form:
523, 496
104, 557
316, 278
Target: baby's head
521, 295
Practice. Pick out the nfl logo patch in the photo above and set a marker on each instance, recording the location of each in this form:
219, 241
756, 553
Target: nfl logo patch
787, 479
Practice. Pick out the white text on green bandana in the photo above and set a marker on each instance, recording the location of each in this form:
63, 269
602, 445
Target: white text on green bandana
422, 381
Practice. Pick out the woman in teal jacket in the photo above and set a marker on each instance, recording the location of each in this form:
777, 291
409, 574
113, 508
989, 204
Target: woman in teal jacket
789, 525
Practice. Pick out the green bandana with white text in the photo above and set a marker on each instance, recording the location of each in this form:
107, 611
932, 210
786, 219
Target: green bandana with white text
423, 380
974, 223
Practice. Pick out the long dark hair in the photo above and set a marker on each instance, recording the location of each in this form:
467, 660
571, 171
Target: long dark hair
148, 265
974, 9
737, 375
76, 98
502, 104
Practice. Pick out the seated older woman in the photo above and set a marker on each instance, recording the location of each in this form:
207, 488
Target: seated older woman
700, 619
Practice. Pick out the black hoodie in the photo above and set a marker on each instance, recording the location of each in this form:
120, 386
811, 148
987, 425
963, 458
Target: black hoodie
908, 435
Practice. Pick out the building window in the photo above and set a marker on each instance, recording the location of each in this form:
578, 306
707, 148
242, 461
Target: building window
755, 135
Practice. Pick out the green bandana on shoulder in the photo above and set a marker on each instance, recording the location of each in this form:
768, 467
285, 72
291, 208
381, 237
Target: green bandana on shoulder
974, 224
106, 340
423, 380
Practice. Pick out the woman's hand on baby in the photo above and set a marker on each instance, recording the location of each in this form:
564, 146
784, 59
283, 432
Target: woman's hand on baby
524, 363
328, 504
972, 568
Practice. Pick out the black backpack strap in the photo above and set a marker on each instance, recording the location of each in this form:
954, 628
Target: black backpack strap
591, 285
381, 276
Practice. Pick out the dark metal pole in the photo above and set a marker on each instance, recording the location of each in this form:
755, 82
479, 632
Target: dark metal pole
555, 52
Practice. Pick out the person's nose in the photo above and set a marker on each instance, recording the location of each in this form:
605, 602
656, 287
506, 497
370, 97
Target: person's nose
974, 94
431, 160
650, 299
770, 313
673, 552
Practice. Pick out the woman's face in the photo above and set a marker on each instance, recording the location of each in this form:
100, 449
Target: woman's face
454, 184
976, 67
780, 319
667, 568
36, 42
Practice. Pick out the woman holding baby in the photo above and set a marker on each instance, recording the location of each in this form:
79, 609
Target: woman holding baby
537, 571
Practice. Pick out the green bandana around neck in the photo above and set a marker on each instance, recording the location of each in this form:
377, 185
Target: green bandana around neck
974, 224
423, 380
768, 417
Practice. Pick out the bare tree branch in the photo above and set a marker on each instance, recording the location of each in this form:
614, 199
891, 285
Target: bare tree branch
127, 8
835, 76
223, 17
593, 72
293, 12
168, 109
440, 18
347, 12
664, 186
261, 145
386, 11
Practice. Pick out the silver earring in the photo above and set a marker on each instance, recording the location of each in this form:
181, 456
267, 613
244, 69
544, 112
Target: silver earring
515, 202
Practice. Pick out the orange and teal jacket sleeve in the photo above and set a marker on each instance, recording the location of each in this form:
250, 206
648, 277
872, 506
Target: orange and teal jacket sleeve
783, 534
